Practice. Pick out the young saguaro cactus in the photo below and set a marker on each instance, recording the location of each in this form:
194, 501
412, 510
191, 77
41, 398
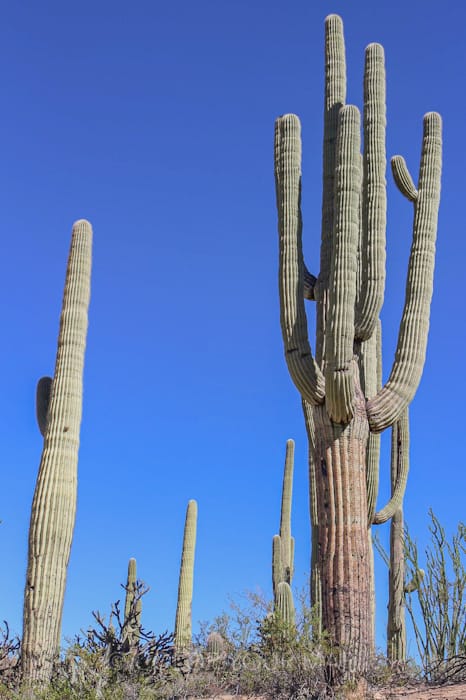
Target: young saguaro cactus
343, 410
54, 503
283, 544
183, 620
133, 608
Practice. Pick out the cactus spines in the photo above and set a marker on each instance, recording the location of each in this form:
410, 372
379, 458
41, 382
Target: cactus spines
133, 606
54, 503
343, 399
183, 621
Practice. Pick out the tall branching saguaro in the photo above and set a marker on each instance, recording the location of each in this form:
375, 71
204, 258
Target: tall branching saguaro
59, 408
344, 407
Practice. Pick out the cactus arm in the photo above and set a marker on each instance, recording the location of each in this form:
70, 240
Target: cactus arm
385, 408
44, 387
374, 199
316, 583
335, 96
54, 503
339, 331
399, 456
403, 179
371, 374
284, 604
277, 564
303, 369
183, 621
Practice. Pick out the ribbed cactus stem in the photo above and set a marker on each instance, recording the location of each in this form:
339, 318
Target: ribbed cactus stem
374, 199
283, 544
215, 644
339, 332
284, 605
54, 502
133, 608
403, 179
183, 622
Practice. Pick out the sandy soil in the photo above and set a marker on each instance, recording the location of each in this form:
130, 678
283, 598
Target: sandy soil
446, 692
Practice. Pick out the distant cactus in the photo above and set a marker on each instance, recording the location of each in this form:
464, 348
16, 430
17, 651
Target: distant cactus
183, 622
53, 511
283, 544
215, 644
133, 604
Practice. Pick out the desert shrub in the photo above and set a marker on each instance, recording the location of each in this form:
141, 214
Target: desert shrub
437, 607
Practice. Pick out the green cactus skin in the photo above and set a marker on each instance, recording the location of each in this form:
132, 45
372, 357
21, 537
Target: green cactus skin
283, 544
131, 583
44, 387
215, 644
345, 404
284, 604
183, 621
54, 503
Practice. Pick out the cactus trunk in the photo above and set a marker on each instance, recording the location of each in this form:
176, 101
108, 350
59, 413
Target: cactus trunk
54, 503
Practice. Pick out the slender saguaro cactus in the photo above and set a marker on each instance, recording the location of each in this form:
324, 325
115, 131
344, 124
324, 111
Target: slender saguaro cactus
133, 610
283, 544
54, 503
337, 383
183, 621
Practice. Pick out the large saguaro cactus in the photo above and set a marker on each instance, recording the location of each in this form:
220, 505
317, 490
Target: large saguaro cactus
59, 409
344, 407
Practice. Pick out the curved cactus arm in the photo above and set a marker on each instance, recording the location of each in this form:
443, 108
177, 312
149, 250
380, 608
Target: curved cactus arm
303, 369
339, 331
374, 198
183, 621
400, 458
277, 564
335, 96
403, 179
43, 391
386, 407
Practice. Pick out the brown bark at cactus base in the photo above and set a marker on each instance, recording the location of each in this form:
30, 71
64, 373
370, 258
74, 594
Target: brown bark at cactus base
343, 544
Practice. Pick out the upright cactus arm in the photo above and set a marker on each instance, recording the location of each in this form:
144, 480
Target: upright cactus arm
403, 179
301, 364
335, 96
278, 574
316, 582
54, 503
284, 604
183, 621
371, 375
399, 456
386, 407
374, 199
44, 387
339, 331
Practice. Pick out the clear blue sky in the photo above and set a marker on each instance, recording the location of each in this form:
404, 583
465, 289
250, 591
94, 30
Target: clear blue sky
154, 120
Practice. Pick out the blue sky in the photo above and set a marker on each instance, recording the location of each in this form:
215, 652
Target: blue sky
155, 121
